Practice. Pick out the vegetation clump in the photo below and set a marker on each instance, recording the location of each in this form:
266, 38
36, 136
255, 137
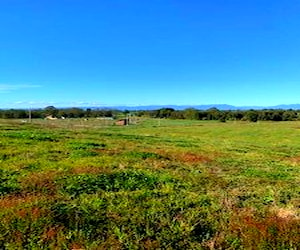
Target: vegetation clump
8, 182
115, 181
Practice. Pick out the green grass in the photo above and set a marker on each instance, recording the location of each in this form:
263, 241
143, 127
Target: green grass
159, 184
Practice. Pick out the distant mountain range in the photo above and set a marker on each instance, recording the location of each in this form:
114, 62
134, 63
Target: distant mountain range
202, 107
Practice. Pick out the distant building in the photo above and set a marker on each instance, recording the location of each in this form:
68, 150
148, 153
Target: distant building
122, 122
50, 117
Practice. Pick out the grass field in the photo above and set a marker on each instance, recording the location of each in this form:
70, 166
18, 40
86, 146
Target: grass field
159, 184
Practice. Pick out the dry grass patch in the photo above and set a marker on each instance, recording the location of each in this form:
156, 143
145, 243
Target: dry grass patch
106, 151
276, 228
89, 170
295, 161
286, 213
185, 157
191, 158
40, 182
13, 201
52, 233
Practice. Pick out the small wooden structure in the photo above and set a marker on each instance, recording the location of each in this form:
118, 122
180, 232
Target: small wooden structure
122, 122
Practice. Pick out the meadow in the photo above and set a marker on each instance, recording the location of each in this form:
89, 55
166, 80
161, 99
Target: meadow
157, 184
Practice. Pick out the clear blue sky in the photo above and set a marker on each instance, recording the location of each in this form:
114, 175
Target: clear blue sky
141, 52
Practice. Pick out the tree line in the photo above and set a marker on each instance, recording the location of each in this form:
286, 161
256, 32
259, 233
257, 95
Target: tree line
169, 113
56, 112
225, 115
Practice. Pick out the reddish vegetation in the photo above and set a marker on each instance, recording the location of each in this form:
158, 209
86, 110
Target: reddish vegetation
111, 243
276, 226
294, 160
34, 213
193, 158
15, 201
77, 246
185, 157
51, 233
40, 181
150, 244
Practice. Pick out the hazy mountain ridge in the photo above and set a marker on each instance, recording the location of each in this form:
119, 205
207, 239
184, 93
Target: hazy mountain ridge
201, 107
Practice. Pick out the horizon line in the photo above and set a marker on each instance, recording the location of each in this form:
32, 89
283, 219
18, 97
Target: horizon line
147, 106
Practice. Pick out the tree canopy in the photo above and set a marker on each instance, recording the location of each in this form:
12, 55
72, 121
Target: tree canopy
167, 113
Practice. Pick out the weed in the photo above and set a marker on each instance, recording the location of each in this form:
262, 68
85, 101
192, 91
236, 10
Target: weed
8, 182
115, 181
85, 145
37, 136
142, 155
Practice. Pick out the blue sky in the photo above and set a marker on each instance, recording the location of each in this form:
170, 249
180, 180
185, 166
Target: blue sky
133, 52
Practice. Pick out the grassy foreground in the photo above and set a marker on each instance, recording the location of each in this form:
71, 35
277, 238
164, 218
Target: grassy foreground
165, 184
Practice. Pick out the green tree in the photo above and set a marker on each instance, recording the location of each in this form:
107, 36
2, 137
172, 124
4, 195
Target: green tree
277, 115
213, 114
289, 115
191, 114
51, 110
88, 112
251, 116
